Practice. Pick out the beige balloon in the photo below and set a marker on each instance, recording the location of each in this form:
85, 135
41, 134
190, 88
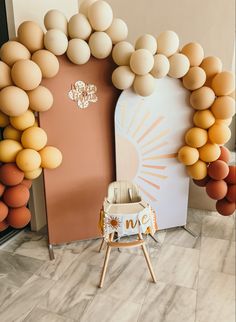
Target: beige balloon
179, 65
55, 19
47, 62
122, 52
13, 51
161, 66
194, 79
100, 15
78, 51
85, 5
31, 35
5, 72
194, 52
144, 85
202, 98
56, 41
123, 77
100, 45
13, 101
79, 27
147, 42
167, 43
40, 99
141, 62
23, 121
118, 30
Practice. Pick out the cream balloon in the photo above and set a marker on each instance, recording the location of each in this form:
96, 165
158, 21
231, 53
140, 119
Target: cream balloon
79, 27
56, 41
100, 44
141, 62
147, 42
5, 73
85, 5
23, 121
13, 101
40, 99
122, 52
55, 19
167, 43
144, 85
13, 51
194, 79
31, 35
194, 52
123, 77
179, 65
78, 51
100, 15
161, 66
118, 30
47, 62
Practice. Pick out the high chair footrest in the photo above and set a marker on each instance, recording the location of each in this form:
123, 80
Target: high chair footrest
135, 243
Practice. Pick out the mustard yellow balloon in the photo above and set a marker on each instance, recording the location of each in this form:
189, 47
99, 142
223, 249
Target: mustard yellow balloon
197, 171
202, 98
12, 51
194, 79
31, 35
23, 121
9, 150
219, 134
194, 52
31, 175
196, 137
40, 99
11, 133
123, 77
212, 65
203, 119
28, 160
141, 62
223, 83
118, 30
4, 119
51, 157
188, 155
5, 72
47, 62
144, 85
122, 52
13, 101
34, 138
209, 152
223, 107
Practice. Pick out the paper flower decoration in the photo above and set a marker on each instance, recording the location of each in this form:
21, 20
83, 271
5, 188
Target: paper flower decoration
83, 94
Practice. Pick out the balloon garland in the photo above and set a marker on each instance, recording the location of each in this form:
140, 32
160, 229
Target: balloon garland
94, 31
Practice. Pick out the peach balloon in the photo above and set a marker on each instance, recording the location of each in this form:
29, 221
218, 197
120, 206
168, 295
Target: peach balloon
100, 44
209, 152
225, 154
51, 157
31, 175
12, 51
161, 66
144, 85
141, 62
198, 170
202, 98
122, 52
9, 150
56, 41
100, 15
5, 73
11, 133
23, 121
167, 43
4, 119
147, 42
219, 134
194, 52
34, 138
47, 62
40, 99
19, 217
188, 155
13, 101
196, 137
179, 65
123, 77
28, 160
55, 19
223, 83
223, 107
31, 36
118, 30
79, 27
194, 79
212, 65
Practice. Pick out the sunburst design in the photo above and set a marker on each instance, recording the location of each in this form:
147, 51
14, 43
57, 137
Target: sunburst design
113, 222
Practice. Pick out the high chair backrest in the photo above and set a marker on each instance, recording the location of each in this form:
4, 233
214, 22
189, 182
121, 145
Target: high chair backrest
123, 192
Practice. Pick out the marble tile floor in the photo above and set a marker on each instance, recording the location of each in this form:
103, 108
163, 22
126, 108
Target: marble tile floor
196, 277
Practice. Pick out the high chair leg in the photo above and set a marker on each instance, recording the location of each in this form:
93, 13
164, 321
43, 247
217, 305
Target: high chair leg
147, 258
102, 243
104, 269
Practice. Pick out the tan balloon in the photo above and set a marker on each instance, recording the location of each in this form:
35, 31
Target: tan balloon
5, 73
11, 133
225, 121
123, 77
223, 107
85, 5
28, 160
203, 119
55, 19
13, 51
141, 62
40, 99
79, 27
202, 98
34, 138
56, 41
31, 36
47, 62
161, 66
179, 65
118, 30
4, 119
100, 15
148, 42
23, 121
13, 101
144, 85
51, 157
26, 74
78, 51
209, 152
212, 65
194, 79
9, 150
167, 43
122, 52
196, 137
188, 155
100, 44
223, 83
197, 171
194, 52
31, 175
219, 134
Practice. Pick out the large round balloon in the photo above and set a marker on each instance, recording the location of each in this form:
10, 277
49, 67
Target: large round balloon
51, 157
16, 196
218, 170
225, 208
10, 174
19, 217
216, 189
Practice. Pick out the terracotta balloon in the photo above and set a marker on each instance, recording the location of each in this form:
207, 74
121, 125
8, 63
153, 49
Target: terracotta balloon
40, 99
23, 121
51, 157
12, 51
148, 42
218, 170
196, 137
27, 183
212, 65
78, 51
194, 79
123, 77
231, 177
28, 160
2, 189
203, 119
79, 27
194, 52
161, 66
202, 98
118, 30
19, 217
55, 19
144, 85
10, 174
209, 152
9, 150
231, 193
11, 133
3, 211
225, 208
223, 83
202, 182
198, 170
5, 73
16, 196
47, 62
100, 15
223, 107
31, 35
188, 155
100, 44
13, 101
3, 225
167, 43
219, 134
56, 41
122, 52
216, 189
34, 138
179, 65
224, 154
4, 119
31, 175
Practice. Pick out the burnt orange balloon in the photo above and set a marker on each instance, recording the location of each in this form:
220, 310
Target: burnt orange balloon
216, 189
2, 189
231, 193
3, 211
231, 177
27, 183
3, 225
194, 52
10, 174
224, 207
218, 170
223, 107
202, 98
19, 217
224, 154
223, 83
16, 196
201, 183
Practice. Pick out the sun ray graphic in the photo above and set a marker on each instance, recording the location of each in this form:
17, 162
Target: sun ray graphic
151, 128
151, 197
135, 115
141, 124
